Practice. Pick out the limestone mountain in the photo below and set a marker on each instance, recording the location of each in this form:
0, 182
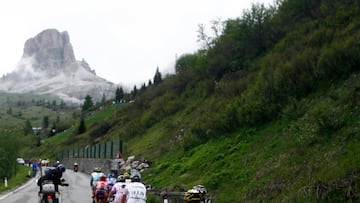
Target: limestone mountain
48, 66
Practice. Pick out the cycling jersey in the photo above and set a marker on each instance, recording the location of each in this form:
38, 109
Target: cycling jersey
119, 189
137, 192
111, 181
95, 177
101, 190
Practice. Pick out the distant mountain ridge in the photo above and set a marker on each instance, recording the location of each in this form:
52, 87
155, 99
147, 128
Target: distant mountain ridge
48, 66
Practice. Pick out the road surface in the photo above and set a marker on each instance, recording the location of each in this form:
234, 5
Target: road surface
78, 190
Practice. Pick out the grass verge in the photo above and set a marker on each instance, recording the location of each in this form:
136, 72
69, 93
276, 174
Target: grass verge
20, 178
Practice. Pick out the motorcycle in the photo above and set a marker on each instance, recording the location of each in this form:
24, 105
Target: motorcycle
48, 193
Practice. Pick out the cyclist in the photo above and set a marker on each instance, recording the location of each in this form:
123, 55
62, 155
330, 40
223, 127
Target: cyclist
95, 177
101, 190
137, 190
196, 195
127, 177
111, 180
119, 190
76, 167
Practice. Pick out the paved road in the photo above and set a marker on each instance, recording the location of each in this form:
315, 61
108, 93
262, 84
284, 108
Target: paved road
78, 190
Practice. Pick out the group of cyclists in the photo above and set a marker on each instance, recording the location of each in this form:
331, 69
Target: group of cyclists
126, 188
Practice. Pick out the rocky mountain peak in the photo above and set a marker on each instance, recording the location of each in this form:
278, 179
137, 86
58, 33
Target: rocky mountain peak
48, 66
51, 50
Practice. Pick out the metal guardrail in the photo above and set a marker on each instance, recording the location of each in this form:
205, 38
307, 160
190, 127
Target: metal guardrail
176, 197
110, 149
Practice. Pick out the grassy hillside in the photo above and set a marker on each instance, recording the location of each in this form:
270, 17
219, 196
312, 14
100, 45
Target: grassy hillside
268, 111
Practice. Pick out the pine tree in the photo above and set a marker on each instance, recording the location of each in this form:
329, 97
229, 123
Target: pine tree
88, 103
157, 77
119, 94
27, 128
82, 127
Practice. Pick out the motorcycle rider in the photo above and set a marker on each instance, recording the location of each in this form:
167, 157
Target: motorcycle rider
76, 167
56, 163
54, 175
137, 190
101, 190
119, 190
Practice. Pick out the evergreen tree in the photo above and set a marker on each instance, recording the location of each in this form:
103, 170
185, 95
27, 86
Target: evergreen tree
157, 77
82, 127
45, 122
62, 104
119, 94
134, 92
27, 128
88, 103
143, 87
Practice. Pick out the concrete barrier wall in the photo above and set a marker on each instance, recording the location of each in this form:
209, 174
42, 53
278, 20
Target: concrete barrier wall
88, 165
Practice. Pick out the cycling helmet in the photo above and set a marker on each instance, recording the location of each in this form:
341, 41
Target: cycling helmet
111, 175
121, 178
135, 178
97, 169
103, 178
127, 175
61, 167
200, 188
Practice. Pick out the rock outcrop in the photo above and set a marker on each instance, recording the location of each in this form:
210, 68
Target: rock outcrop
48, 66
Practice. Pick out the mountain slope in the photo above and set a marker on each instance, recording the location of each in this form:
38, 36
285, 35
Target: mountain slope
268, 113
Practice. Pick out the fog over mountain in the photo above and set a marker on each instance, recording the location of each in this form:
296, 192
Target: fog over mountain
48, 66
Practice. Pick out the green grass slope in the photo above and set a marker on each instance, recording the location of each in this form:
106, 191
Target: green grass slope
269, 112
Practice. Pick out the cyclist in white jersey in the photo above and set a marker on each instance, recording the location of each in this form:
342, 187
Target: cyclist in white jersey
137, 190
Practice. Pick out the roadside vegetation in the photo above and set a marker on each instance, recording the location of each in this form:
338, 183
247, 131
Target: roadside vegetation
19, 178
267, 110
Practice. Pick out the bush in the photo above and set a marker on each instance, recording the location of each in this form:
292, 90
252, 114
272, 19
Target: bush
101, 128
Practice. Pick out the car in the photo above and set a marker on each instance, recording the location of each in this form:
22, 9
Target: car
20, 161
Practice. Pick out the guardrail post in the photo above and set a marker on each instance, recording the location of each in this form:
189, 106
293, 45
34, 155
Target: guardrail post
5, 181
165, 198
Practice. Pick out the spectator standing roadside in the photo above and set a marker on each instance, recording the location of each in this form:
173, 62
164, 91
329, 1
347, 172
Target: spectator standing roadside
34, 168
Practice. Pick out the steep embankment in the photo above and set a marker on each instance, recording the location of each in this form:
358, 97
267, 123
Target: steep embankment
268, 112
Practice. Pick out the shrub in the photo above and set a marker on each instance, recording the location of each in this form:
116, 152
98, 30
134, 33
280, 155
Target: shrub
101, 128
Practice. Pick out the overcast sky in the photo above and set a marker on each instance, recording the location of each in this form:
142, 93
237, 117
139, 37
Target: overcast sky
123, 41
